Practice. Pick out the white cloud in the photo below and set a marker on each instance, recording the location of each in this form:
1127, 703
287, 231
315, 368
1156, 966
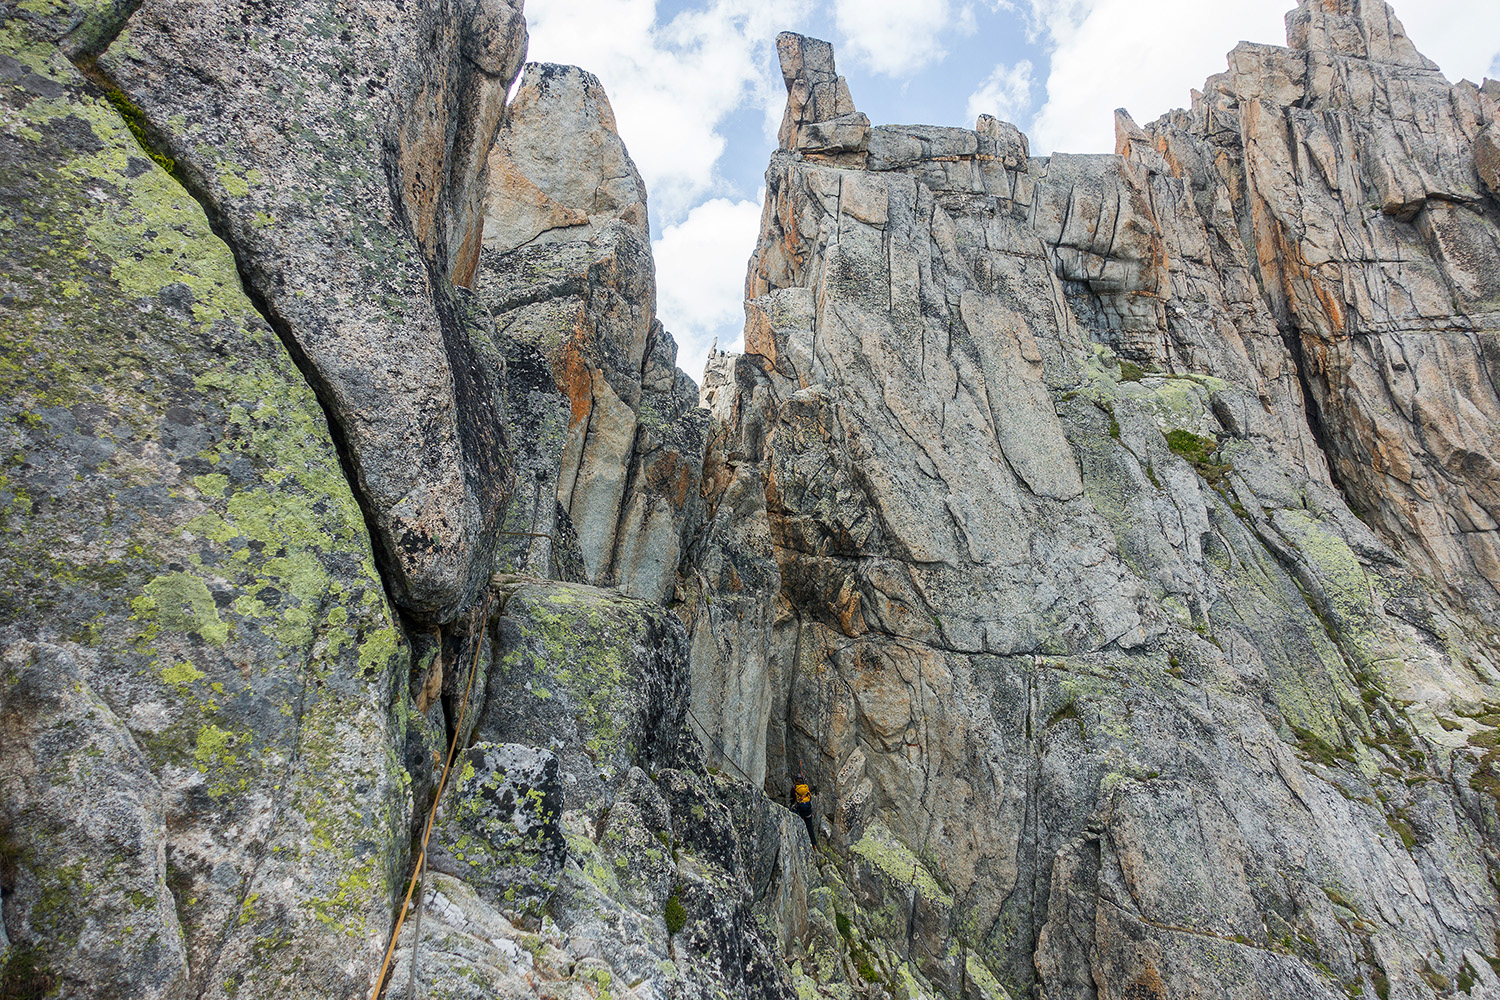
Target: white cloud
700, 278
1461, 36
893, 37
1054, 21
1005, 93
1146, 57
671, 85
1144, 60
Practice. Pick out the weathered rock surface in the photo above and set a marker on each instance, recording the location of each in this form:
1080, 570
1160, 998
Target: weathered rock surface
612, 431
1393, 313
1041, 474
594, 852
213, 745
820, 116
497, 829
1109, 538
200, 705
342, 152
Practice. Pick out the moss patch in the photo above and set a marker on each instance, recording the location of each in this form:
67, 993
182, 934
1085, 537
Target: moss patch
674, 914
1199, 452
135, 120
25, 975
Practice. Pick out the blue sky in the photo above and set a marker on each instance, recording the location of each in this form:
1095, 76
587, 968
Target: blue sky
697, 93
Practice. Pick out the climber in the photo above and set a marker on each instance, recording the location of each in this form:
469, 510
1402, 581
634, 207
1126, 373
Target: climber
802, 804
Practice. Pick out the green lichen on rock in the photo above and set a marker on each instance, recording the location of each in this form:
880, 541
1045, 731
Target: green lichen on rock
598, 676
983, 981
500, 828
880, 848
204, 545
579, 639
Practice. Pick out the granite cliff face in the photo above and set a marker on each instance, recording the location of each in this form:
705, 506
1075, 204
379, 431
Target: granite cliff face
1111, 538
1118, 525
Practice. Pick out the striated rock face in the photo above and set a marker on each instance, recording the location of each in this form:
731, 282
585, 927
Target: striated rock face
1378, 248
1110, 533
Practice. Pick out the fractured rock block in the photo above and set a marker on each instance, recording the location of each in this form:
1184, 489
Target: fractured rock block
844, 134
1487, 158
561, 163
499, 826
597, 677
607, 491
815, 93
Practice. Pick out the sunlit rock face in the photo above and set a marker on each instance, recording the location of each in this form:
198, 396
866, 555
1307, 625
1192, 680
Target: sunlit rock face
1120, 526
611, 435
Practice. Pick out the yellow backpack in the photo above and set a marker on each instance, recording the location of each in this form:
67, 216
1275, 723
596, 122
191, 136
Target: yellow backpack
803, 794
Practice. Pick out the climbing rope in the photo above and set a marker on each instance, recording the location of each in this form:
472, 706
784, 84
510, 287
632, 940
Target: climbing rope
552, 564
477, 636
722, 752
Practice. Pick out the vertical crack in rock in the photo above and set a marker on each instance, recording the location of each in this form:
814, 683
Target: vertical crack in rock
148, 133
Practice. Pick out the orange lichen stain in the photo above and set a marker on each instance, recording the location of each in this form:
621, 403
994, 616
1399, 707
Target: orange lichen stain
1288, 256
574, 376
847, 609
1224, 167
1330, 303
421, 165
1146, 986
671, 477
466, 263
431, 688
1165, 149
791, 237
760, 338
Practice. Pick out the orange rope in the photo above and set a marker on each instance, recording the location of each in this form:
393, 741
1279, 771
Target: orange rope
432, 813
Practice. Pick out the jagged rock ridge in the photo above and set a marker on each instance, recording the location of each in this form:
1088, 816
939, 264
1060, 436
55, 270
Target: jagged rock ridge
1046, 472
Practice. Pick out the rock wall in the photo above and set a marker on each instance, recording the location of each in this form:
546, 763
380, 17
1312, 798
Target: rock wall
342, 155
1116, 528
201, 710
319, 365
1108, 538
